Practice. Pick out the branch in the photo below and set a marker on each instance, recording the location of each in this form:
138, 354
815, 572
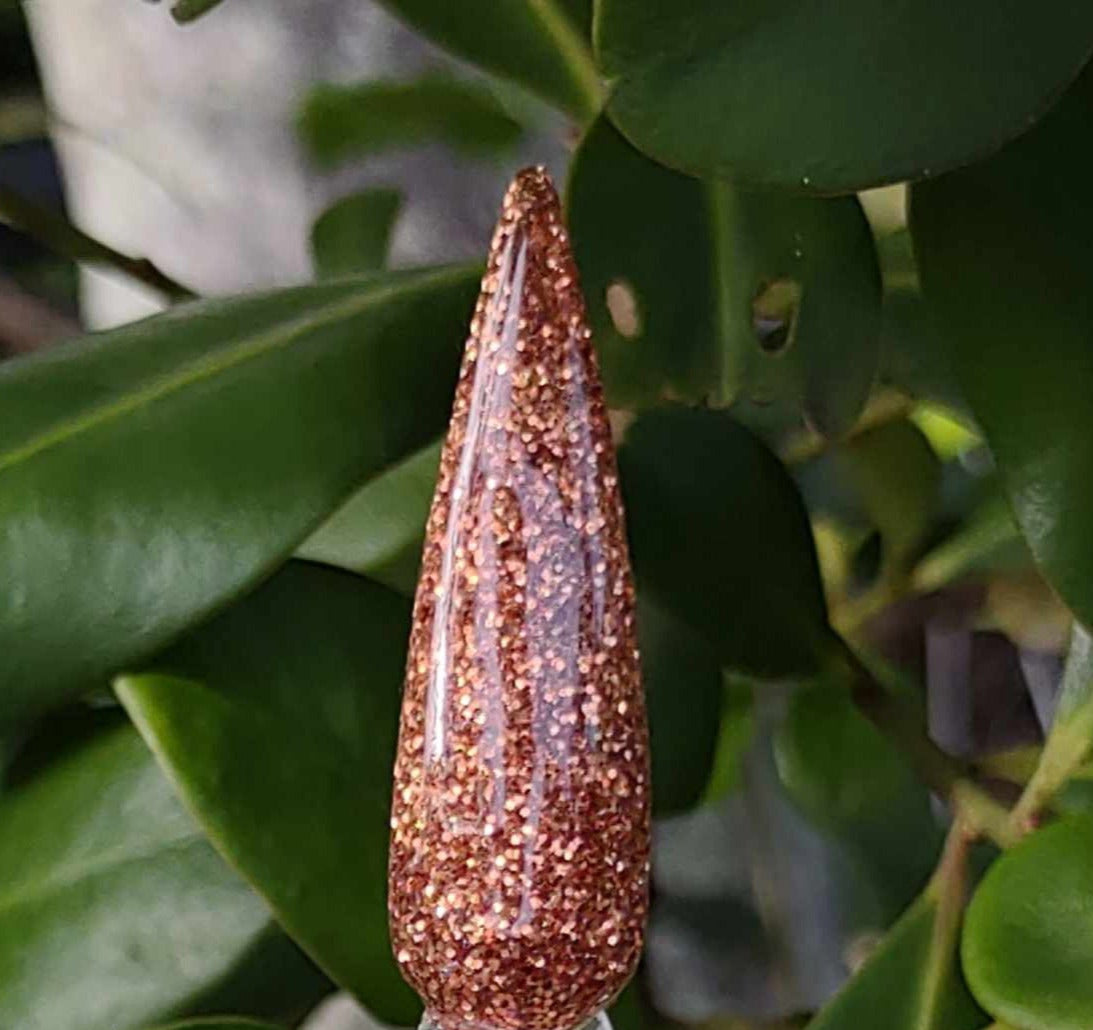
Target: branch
60, 236
1068, 744
946, 776
949, 886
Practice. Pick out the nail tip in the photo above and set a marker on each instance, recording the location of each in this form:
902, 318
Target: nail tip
531, 195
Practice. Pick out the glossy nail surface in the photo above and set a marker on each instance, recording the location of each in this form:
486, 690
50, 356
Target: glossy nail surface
520, 823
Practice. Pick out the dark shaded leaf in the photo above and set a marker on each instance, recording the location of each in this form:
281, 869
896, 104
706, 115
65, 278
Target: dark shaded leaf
720, 537
683, 697
703, 291
838, 95
645, 234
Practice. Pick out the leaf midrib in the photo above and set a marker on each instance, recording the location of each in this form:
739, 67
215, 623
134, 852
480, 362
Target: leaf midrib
574, 53
247, 349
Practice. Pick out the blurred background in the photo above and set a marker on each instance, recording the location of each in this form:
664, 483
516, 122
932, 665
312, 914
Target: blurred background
215, 152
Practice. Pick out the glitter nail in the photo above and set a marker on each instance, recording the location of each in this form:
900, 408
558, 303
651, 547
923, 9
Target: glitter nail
523, 708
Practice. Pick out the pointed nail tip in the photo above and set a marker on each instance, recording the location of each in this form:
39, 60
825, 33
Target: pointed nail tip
532, 191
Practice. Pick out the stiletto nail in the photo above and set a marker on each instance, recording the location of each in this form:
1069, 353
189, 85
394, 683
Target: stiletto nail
520, 825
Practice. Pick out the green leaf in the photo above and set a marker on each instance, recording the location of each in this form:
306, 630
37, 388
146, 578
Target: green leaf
835, 764
849, 780
114, 910
837, 95
339, 122
900, 987
627, 1011
379, 531
278, 721
1028, 939
185, 11
683, 696
735, 735
540, 44
702, 291
353, 234
1003, 251
220, 1023
150, 474
898, 476
720, 537
643, 240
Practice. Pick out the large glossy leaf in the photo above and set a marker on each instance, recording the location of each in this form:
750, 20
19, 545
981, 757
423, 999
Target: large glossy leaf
1005, 252
379, 531
149, 474
114, 911
277, 721
539, 43
720, 537
703, 291
903, 986
835, 95
1028, 939
339, 122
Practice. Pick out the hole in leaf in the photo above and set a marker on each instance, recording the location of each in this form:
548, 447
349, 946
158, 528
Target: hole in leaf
774, 314
622, 303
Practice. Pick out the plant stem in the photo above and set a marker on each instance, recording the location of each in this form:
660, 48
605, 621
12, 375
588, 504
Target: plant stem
944, 775
1068, 744
949, 886
887, 406
982, 815
574, 51
63, 238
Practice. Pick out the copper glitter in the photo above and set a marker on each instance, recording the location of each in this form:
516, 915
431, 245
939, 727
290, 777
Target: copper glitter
520, 826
